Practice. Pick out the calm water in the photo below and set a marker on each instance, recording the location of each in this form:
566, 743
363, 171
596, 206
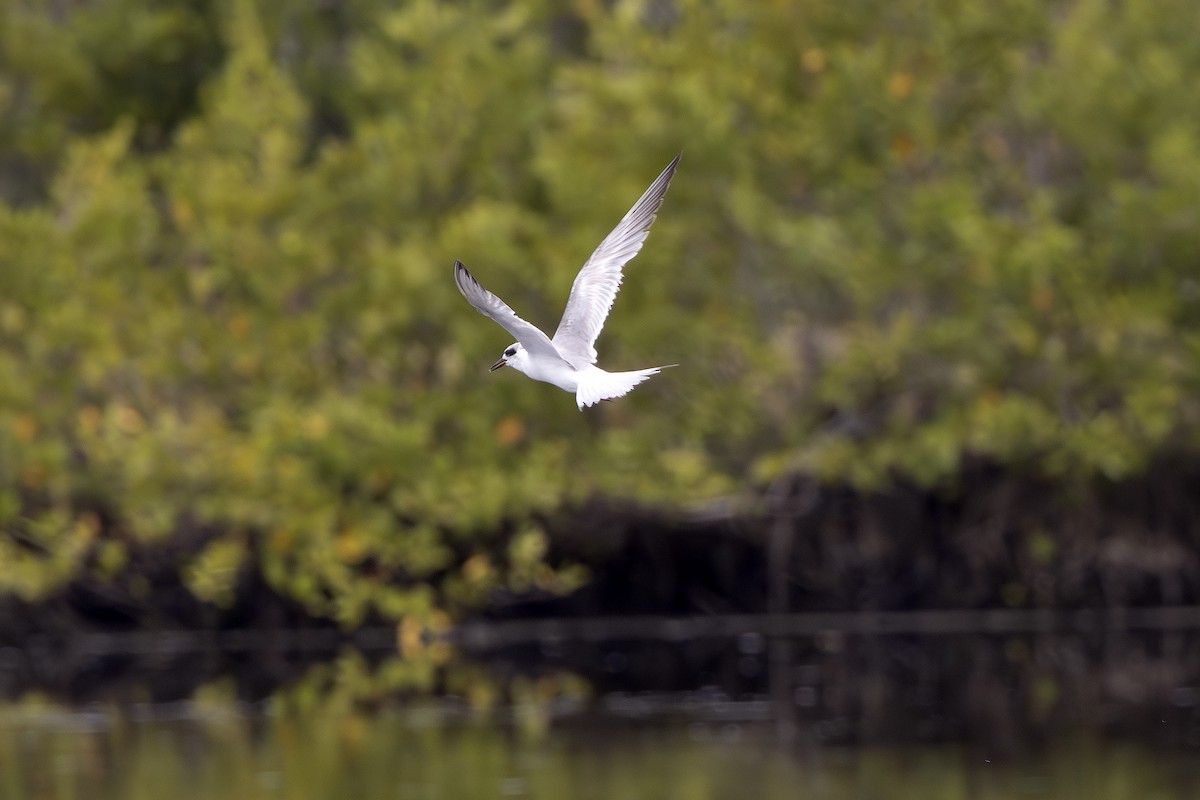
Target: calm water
877, 717
212, 752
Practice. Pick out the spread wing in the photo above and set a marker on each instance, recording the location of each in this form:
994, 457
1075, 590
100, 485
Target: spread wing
597, 283
486, 303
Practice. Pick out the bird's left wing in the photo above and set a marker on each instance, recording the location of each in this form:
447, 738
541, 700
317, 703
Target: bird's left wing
595, 287
533, 340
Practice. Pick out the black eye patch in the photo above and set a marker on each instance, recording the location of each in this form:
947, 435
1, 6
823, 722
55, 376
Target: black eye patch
510, 352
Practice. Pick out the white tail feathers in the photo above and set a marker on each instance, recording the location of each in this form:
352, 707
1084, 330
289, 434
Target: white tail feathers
600, 385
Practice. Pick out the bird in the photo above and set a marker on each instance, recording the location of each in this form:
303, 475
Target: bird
568, 360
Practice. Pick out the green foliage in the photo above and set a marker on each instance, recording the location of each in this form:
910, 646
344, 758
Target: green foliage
901, 235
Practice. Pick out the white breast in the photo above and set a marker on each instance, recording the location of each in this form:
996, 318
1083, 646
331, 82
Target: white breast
558, 373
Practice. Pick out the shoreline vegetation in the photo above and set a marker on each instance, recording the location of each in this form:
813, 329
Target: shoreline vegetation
931, 277
1000, 548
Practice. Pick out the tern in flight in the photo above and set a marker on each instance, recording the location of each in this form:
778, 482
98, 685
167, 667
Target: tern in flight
569, 359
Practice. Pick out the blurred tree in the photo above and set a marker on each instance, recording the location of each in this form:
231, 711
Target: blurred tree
901, 235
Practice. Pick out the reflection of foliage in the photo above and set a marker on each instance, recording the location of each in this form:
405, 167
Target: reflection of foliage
352, 689
899, 237
348, 728
313, 743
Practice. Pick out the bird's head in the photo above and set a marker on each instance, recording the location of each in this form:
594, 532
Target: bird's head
514, 356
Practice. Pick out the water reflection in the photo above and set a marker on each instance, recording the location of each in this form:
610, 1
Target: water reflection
1097, 715
1010, 692
295, 751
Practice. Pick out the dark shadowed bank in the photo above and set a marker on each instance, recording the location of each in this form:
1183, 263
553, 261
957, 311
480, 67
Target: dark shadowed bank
993, 540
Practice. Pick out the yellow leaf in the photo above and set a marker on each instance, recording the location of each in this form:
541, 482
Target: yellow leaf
25, 428
349, 547
900, 85
477, 568
510, 430
903, 148
316, 426
34, 476
129, 421
281, 540
813, 60
238, 325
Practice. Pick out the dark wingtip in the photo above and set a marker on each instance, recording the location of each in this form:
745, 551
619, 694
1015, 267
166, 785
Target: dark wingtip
461, 272
461, 276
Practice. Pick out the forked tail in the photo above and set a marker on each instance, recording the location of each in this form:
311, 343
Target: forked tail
601, 385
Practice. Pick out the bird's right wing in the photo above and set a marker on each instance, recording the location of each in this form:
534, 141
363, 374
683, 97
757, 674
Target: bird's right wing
533, 340
595, 287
